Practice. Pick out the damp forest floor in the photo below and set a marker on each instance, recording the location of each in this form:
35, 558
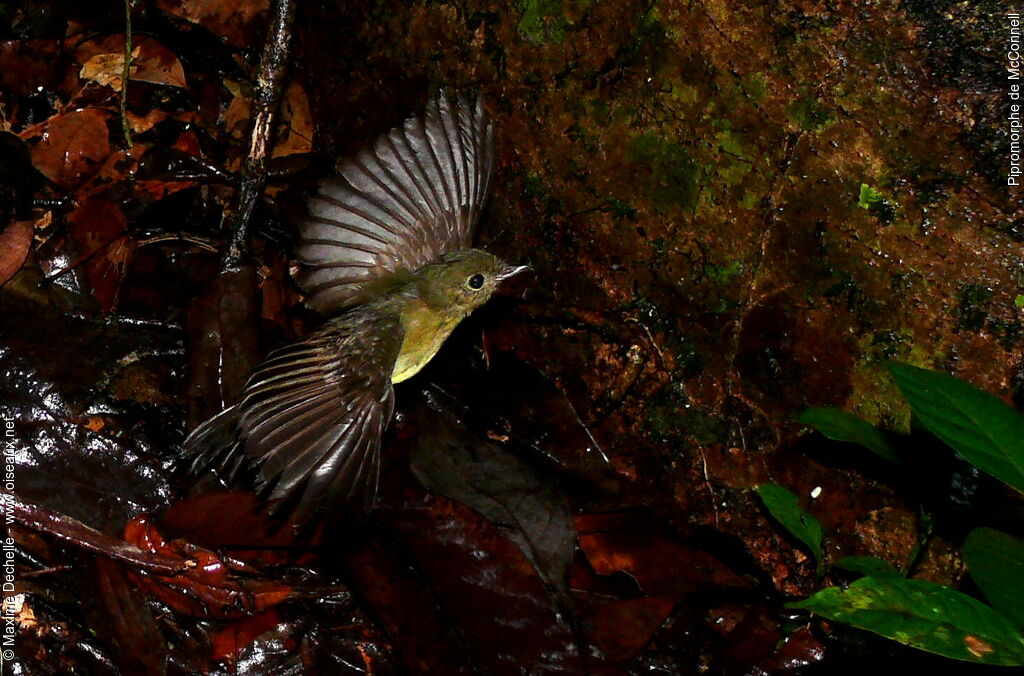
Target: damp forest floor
732, 214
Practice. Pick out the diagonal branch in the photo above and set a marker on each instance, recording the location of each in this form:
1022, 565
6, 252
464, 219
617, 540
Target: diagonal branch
75, 532
266, 95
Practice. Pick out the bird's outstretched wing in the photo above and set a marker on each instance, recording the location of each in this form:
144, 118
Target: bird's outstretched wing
415, 194
310, 419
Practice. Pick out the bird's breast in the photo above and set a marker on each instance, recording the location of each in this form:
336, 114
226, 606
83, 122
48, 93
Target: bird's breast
425, 332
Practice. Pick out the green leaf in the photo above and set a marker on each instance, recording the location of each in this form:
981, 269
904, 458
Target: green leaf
868, 196
782, 505
924, 615
977, 425
996, 563
867, 565
837, 424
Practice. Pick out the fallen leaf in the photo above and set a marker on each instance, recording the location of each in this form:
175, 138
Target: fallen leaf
486, 588
103, 62
236, 115
295, 130
622, 629
55, 366
799, 649
26, 65
188, 143
118, 167
15, 241
123, 615
105, 69
98, 231
656, 559
72, 146
142, 123
232, 639
750, 634
237, 22
237, 520
279, 294
406, 606
213, 587
449, 458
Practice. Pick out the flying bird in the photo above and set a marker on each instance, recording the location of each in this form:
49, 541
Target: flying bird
387, 255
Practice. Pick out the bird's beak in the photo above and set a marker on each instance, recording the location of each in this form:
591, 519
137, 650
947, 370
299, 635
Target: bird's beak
510, 271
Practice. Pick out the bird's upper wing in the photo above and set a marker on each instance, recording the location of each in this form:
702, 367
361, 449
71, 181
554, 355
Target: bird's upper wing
415, 194
311, 418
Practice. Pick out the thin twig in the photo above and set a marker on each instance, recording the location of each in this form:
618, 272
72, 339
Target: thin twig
125, 72
201, 242
265, 96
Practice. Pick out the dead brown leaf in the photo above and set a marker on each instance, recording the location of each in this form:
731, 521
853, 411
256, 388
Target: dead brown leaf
295, 133
103, 62
98, 231
215, 587
72, 146
116, 168
143, 123
236, 116
622, 629
237, 22
105, 69
28, 64
15, 241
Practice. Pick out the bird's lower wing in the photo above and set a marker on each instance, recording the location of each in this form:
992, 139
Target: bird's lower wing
310, 422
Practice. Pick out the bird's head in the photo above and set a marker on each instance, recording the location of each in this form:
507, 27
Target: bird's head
462, 281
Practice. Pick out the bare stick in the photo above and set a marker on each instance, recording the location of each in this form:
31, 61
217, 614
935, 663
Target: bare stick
77, 533
125, 72
266, 94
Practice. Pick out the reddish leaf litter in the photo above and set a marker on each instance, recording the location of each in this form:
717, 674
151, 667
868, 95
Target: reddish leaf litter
567, 487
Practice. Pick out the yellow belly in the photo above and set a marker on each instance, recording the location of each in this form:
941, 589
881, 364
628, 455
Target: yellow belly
425, 332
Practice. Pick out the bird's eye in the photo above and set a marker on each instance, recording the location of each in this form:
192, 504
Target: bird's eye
476, 281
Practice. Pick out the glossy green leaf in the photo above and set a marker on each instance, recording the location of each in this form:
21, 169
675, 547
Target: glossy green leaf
996, 563
924, 615
837, 424
867, 565
977, 425
782, 505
